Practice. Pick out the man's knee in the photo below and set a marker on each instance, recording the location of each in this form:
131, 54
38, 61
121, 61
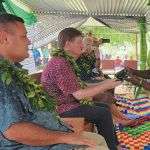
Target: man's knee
104, 114
100, 141
104, 110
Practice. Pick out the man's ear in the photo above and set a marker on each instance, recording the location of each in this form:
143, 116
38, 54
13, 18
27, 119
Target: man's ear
3, 37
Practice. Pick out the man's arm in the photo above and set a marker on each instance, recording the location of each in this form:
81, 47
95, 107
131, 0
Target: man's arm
67, 82
34, 135
139, 73
97, 89
139, 82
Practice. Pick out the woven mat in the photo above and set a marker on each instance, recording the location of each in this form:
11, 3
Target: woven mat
138, 137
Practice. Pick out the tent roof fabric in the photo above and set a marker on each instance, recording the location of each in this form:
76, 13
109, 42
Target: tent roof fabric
119, 14
11, 6
48, 27
104, 8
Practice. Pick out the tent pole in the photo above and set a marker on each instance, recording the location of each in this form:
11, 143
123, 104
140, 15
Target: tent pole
143, 43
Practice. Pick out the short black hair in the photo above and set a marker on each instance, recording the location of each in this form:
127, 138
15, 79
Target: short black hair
67, 34
9, 18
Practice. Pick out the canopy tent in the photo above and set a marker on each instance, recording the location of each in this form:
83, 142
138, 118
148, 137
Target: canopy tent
122, 15
48, 27
54, 15
14, 7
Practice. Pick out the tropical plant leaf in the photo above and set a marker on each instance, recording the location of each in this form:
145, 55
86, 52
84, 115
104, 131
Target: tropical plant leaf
31, 94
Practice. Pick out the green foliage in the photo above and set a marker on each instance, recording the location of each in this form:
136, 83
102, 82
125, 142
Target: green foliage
115, 37
148, 60
29, 17
143, 49
148, 4
143, 43
71, 60
2, 10
39, 99
148, 54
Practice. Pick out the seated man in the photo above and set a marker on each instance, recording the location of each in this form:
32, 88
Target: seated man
139, 78
87, 64
22, 126
89, 61
61, 78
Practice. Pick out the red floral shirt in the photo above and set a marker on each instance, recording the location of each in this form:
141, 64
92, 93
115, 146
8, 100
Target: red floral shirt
60, 81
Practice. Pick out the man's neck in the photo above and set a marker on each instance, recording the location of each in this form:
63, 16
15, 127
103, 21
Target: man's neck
70, 53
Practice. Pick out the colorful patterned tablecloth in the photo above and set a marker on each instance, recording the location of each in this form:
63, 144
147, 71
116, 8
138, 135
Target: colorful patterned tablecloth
137, 137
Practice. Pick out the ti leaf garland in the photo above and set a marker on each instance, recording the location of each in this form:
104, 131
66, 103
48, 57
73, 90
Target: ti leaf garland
39, 99
71, 60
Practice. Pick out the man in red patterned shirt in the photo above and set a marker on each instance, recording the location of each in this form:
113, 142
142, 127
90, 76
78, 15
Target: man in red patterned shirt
59, 79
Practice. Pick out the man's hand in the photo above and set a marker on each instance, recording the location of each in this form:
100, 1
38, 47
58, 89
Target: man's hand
92, 91
111, 83
77, 124
78, 139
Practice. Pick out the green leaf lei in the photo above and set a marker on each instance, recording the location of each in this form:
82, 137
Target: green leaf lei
39, 99
71, 60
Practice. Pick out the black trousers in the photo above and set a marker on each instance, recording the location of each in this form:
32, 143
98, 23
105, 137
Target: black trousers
100, 115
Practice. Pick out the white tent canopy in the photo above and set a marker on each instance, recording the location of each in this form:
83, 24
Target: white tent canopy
48, 27
54, 15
